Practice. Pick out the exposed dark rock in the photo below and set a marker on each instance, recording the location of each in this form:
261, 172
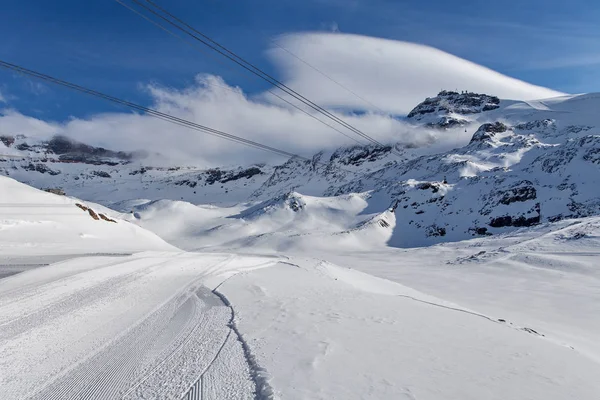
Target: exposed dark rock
87, 159
383, 223
446, 122
453, 102
140, 171
213, 175
435, 231
479, 231
57, 191
435, 187
523, 191
105, 218
101, 174
41, 168
517, 222
186, 182
60, 144
554, 160
7, 140
247, 173
358, 155
217, 175
93, 214
488, 131
295, 205
541, 126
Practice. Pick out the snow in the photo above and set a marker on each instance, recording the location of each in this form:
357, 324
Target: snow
305, 281
142, 326
38, 223
322, 336
392, 74
544, 278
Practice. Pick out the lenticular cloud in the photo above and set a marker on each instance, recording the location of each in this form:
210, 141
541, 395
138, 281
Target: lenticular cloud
393, 75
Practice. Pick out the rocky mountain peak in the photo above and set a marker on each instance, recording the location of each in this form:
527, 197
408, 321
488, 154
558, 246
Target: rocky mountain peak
448, 103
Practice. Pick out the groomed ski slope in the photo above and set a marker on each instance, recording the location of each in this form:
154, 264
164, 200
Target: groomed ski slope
143, 326
215, 326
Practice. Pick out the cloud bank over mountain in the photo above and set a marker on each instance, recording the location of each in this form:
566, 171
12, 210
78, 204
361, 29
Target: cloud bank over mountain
395, 76
391, 74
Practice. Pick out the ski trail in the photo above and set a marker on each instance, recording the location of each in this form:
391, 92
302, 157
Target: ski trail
259, 375
76, 300
143, 327
120, 359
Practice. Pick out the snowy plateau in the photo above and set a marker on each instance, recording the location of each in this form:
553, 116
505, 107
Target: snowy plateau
463, 264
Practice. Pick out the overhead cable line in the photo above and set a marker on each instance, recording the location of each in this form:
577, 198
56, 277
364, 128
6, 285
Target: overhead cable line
149, 111
193, 44
326, 76
165, 117
204, 39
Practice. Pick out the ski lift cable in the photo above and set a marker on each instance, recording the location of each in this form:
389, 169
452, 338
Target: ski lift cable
163, 116
207, 41
201, 49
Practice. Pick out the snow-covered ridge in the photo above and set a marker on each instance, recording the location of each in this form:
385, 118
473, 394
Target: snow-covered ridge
547, 149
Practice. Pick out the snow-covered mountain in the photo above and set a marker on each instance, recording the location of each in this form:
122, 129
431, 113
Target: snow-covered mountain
298, 286
526, 163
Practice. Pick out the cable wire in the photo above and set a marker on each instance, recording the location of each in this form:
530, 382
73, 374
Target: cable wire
186, 28
193, 44
163, 116
274, 42
149, 111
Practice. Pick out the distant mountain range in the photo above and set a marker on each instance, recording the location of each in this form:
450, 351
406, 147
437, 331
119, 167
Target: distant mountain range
527, 163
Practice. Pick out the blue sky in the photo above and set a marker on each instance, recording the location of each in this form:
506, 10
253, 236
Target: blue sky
100, 44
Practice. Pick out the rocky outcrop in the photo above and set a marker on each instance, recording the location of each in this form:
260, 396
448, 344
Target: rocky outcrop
41, 168
357, 155
60, 145
215, 175
488, 132
449, 102
447, 123
7, 140
101, 174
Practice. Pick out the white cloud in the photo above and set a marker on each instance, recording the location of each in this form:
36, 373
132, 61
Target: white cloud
2, 98
210, 102
393, 75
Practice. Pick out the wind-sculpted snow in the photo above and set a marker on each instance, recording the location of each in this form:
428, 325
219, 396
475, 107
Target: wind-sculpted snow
314, 325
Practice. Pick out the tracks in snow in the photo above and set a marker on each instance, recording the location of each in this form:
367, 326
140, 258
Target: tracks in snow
144, 327
234, 347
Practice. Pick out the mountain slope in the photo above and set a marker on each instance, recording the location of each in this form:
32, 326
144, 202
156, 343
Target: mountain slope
525, 163
33, 222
